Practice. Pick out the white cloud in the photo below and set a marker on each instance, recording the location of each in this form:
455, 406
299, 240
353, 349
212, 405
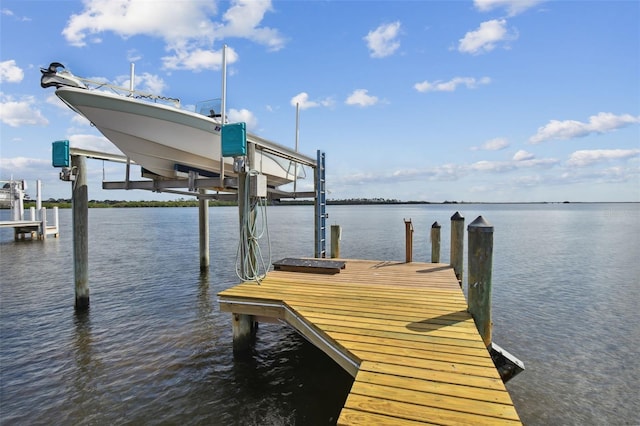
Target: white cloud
303, 101
185, 26
523, 155
10, 72
18, 164
451, 85
243, 115
601, 123
485, 38
492, 145
198, 59
144, 82
93, 143
243, 20
383, 40
513, 7
587, 157
361, 98
20, 113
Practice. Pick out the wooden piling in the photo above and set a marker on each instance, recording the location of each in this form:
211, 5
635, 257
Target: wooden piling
244, 331
203, 217
408, 234
479, 283
80, 232
457, 244
336, 232
435, 242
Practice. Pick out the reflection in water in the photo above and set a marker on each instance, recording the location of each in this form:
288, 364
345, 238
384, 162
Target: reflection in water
154, 347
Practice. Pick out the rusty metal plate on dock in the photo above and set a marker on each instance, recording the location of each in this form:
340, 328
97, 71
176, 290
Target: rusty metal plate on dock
315, 266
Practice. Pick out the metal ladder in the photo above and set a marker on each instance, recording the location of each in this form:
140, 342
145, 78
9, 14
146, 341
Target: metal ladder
321, 208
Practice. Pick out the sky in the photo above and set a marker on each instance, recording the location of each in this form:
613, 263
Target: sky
475, 101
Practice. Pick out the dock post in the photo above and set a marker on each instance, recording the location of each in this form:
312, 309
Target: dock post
244, 326
408, 234
479, 283
43, 223
457, 245
336, 232
56, 221
203, 216
80, 215
435, 242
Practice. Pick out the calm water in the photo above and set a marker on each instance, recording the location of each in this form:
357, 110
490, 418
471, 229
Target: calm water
154, 348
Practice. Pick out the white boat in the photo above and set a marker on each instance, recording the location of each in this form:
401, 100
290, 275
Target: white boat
12, 191
163, 139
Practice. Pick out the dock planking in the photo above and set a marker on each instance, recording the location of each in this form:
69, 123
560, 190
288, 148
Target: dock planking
401, 329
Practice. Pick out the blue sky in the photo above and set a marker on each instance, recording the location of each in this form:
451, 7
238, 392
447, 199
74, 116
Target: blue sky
492, 100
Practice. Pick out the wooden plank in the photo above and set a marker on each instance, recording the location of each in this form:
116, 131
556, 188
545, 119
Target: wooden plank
402, 330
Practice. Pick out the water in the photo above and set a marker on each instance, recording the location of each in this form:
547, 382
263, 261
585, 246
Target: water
155, 349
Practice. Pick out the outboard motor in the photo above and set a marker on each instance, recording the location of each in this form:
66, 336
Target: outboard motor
52, 77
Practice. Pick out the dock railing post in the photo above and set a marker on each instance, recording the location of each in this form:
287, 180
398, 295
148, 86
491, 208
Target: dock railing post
203, 216
408, 234
479, 283
457, 245
435, 242
80, 215
336, 232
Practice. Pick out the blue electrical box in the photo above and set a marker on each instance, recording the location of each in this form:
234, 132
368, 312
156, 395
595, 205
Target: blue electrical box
234, 140
60, 154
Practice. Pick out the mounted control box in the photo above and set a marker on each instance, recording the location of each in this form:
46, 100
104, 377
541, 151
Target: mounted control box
60, 154
258, 185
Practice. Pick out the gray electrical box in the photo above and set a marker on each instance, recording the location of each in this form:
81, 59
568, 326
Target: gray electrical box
258, 185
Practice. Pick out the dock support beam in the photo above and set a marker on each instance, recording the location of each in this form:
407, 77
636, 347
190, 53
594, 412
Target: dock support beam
203, 217
479, 285
457, 245
80, 215
435, 242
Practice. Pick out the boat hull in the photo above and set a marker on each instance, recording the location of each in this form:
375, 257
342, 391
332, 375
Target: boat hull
162, 139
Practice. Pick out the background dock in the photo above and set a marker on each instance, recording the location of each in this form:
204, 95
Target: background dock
401, 329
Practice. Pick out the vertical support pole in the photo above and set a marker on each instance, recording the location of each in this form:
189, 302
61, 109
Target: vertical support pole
336, 233
435, 242
408, 237
43, 223
244, 331
479, 285
457, 245
203, 217
38, 195
32, 214
80, 215
244, 326
56, 221
320, 207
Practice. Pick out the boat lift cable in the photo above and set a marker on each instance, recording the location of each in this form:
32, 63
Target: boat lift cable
250, 262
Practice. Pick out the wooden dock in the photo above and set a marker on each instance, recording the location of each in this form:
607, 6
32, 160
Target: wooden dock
403, 332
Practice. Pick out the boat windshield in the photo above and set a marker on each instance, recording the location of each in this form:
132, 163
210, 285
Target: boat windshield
210, 108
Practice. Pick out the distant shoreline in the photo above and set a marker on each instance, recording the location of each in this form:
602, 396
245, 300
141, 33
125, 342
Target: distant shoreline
66, 203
